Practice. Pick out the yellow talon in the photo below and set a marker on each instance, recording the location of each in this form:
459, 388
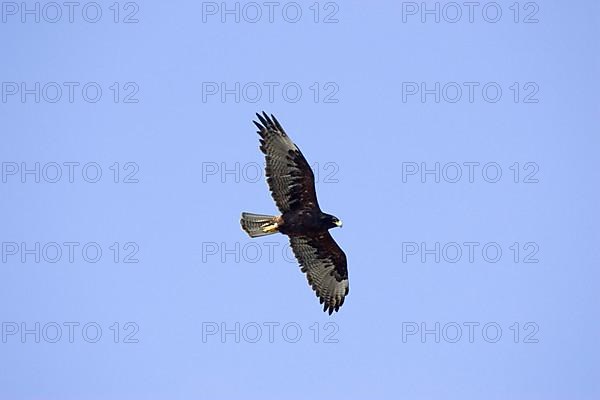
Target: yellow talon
270, 228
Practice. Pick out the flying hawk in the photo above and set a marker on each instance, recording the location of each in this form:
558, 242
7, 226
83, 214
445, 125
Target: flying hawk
292, 185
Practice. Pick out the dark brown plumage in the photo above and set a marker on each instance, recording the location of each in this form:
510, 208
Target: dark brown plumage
292, 185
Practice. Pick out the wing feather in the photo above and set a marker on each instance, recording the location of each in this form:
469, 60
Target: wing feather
289, 176
325, 266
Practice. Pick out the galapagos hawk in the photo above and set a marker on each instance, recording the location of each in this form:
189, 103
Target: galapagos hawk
292, 185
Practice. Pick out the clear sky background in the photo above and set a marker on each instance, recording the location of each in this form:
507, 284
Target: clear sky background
524, 326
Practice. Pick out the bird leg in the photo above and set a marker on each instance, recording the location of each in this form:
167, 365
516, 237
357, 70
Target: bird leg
268, 228
272, 226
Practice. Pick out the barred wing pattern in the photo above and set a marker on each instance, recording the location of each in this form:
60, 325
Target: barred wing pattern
325, 266
290, 178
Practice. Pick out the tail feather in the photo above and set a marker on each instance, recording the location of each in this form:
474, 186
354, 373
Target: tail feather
257, 225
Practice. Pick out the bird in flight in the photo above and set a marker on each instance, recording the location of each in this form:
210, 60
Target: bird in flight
292, 185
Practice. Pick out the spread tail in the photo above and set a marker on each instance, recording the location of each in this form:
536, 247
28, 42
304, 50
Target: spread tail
257, 225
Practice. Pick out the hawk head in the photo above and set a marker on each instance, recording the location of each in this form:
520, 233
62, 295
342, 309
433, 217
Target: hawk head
329, 221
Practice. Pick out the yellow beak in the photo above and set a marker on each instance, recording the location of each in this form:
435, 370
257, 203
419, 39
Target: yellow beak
338, 223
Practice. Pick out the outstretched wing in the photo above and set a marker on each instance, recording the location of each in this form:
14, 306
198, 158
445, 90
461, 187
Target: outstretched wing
325, 266
289, 176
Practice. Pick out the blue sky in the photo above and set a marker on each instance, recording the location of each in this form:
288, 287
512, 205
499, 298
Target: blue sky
459, 152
